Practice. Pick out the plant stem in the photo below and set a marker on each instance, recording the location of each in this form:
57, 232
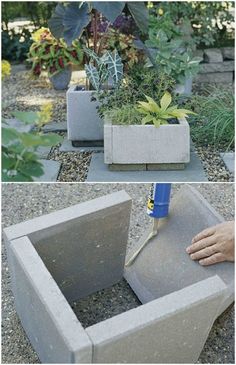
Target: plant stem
95, 30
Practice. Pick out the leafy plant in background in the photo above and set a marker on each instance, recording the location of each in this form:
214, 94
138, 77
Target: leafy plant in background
20, 161
160, 114
210, 20
15, 45
53, 55
6, 69
214, 123
69, 21
138, 82
101, 70
170, 55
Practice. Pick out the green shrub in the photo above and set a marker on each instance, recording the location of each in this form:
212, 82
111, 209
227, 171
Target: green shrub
139, 81
214, 124
15, 46
125, 115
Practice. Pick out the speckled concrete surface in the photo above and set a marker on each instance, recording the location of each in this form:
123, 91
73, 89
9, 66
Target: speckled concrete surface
24, 201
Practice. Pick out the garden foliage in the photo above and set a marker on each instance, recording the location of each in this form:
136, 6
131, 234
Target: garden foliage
20, 161
214, 123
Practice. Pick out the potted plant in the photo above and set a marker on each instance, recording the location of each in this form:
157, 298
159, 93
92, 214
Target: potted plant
75, 21
54, 56
151, 134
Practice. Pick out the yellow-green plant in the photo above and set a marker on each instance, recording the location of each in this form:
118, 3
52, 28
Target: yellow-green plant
159, 114
6, 69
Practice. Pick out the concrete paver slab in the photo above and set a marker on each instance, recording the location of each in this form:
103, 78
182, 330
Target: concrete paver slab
229, 160
51, 171
164, 266
171, 329
98, 171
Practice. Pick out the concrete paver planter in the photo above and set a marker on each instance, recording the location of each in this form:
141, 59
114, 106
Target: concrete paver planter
76, 251
146, 144
84, 126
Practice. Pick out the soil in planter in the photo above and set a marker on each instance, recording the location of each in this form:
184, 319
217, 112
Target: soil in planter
173, 121
105, 304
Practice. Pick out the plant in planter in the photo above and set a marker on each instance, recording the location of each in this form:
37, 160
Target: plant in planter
173, 58
20, 161
54, 56
163, 113
71, 21
145, 135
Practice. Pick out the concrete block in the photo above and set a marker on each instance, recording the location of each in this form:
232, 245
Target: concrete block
165, 166
229, 160
51, 171
83, 246
51, 325
83, 122
98, 171
215, 77
138, 144
67, 146
227, 66
213, 55
171, 329
164, 266
228, 53
127, 167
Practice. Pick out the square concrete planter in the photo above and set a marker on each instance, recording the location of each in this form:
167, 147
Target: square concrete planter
84, 126
147, 145
71, 253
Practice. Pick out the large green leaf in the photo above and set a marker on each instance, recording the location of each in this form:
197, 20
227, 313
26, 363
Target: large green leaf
93, 75
27, 117
32, 168
56, 22
34, 140
9, 136
111, 10
75, 19
165, 101
89, 52
139, 12
114, 66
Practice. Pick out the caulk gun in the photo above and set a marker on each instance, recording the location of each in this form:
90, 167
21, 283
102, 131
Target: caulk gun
157, 207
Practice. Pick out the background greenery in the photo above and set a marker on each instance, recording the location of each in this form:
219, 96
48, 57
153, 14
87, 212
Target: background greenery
207, 19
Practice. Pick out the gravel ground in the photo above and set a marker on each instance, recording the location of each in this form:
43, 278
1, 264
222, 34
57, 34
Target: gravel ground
25, 201
21, 92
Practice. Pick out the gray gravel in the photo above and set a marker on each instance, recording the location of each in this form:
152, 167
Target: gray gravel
25, 201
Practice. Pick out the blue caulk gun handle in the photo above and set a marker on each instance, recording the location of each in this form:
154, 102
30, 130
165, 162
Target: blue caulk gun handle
159, 200
157, 207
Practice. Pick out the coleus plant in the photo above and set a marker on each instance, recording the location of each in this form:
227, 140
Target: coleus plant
159, 114
51, 54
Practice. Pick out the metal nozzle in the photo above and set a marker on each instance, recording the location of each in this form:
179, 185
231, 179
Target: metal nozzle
152, 234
